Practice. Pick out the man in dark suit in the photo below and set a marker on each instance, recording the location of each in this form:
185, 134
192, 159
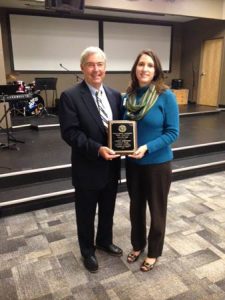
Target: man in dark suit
84, 111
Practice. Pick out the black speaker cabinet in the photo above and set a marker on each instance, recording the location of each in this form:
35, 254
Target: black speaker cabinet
177, 84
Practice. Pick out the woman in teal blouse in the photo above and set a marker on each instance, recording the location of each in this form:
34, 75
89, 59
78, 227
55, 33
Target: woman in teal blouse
149, 102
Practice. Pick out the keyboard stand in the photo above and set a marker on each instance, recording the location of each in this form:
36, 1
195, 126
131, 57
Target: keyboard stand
15, 111
10, 137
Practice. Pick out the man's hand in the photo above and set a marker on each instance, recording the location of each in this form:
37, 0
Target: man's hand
139, 153
107, 153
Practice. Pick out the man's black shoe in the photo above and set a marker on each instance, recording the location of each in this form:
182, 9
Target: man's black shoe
111, 249
91, 263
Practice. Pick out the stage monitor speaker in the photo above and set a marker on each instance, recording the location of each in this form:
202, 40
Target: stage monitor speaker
5, 115
67, 6
177, 84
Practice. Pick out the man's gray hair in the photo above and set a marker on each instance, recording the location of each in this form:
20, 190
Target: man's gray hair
91, 50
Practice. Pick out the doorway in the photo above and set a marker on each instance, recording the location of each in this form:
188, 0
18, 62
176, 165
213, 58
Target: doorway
209, 75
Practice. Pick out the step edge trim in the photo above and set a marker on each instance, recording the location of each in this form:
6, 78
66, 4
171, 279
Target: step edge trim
17, 173
37, 197
63, 192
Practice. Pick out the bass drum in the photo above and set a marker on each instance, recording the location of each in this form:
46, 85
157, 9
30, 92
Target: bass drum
35, 105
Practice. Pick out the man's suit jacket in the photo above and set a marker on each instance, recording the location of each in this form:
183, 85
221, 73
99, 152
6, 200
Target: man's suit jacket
82, 128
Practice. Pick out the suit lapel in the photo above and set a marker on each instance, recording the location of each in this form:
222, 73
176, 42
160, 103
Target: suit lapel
91, 106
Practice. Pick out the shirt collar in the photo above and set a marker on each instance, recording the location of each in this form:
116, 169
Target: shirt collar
93, 90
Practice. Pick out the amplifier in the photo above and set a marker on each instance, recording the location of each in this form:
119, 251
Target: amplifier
177, 84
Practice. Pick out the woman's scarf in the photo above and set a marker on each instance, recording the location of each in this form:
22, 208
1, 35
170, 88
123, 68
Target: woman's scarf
136, 110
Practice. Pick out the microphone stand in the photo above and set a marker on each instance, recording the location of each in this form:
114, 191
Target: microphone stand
78, 78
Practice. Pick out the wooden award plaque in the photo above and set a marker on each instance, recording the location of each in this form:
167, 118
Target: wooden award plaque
122, 136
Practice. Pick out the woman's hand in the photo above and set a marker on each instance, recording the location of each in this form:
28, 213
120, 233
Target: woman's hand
139, 153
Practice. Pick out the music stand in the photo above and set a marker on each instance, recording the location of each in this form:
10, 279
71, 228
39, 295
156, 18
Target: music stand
46, 84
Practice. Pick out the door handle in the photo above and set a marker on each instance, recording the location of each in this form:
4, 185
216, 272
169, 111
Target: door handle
203, 74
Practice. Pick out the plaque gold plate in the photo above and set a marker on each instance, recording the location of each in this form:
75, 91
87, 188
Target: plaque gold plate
122, 136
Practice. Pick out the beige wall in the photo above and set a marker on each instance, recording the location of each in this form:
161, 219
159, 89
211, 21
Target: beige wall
223, 9
5, 42
2, 61
196, 8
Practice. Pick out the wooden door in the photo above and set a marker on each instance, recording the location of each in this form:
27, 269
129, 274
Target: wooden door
209, 76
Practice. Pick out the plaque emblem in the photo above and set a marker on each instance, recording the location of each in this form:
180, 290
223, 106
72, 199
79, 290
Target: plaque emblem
122, 128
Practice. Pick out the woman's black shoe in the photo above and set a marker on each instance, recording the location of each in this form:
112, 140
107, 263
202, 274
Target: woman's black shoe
91, 263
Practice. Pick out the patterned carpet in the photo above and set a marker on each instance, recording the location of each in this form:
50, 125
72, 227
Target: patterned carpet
40, 258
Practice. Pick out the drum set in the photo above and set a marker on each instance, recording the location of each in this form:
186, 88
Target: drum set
29, 102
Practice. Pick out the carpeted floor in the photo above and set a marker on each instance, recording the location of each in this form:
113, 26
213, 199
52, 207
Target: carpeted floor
40, 258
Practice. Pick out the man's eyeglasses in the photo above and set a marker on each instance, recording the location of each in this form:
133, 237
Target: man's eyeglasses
92, 65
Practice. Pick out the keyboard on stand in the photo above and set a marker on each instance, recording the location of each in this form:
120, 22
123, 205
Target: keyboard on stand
17, 97
18, 103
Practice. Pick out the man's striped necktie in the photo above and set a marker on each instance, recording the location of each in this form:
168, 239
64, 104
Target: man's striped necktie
101, 109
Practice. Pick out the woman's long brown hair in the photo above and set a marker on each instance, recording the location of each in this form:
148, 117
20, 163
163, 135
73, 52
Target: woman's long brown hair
158, 79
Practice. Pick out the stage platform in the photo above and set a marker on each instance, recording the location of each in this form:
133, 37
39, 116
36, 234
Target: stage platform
38, 169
